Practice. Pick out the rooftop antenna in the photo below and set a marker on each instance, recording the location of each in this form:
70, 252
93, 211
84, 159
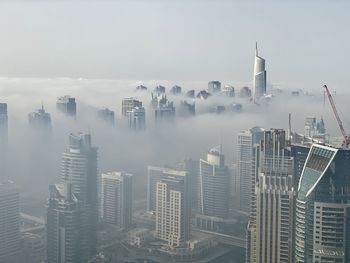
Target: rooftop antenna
256, 48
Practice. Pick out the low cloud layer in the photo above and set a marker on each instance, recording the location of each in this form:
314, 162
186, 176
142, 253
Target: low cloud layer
34, 160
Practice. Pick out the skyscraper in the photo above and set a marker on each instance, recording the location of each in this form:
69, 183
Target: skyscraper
9, 223
40, 119
192, 169
67, 105
106, 115
176, 90
187, 109
155, 174
259, 88
214, 86
172, 210
214, 189
3, 140
3, 125
245, 143
128, 104
116, 198
270, 229
160, 89
79, 168
137, 118
164, 113
315, 130
64, 228
323, 207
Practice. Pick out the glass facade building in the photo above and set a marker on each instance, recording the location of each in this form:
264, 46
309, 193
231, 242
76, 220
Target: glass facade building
322, 222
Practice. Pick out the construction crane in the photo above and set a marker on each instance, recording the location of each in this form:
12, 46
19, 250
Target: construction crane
346, 141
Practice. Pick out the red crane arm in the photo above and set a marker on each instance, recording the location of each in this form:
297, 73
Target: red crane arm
340, 124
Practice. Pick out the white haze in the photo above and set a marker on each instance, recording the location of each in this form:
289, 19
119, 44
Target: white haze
34, 161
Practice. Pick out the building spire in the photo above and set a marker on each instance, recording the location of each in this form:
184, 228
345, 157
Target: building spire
256, 48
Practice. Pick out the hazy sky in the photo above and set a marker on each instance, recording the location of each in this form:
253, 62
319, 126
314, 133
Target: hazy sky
305, 44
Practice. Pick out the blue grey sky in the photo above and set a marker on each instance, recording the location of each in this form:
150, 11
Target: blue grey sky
305, 43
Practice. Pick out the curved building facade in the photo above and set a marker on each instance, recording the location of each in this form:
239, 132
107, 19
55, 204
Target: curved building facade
322, 222
259, 76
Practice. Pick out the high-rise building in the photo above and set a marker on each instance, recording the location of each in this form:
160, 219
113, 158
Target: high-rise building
315, 129
165, 113
310, 127
3, 140
176, 90
214, 189
322, 224
270, 229
137, 118
79, 168
192, 168
172, 210
9, 223
229, 91
40, 119
259, 88
187, 109
141, 88
128, 104
245, 143
33, 248
67, 105
160, 89
106, 115
154, 175
3, 125
214, 86
64, 228
116, 199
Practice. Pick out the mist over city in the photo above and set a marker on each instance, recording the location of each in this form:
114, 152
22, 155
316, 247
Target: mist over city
197, 145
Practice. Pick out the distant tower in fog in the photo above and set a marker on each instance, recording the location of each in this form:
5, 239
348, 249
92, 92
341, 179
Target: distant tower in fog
3, 125
214, 86
3, 140
116, 199
259, 88
128, 104
137, 118
67, 105
106, 115
40, 119
9, 223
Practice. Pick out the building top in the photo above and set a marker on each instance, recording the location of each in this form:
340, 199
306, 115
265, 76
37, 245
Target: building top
3, 108
115, 175
65, 99
319, 159
8, 186
166, 170
79, 141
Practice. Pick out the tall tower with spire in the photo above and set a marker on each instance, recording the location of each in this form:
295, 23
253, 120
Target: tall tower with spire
259, 88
